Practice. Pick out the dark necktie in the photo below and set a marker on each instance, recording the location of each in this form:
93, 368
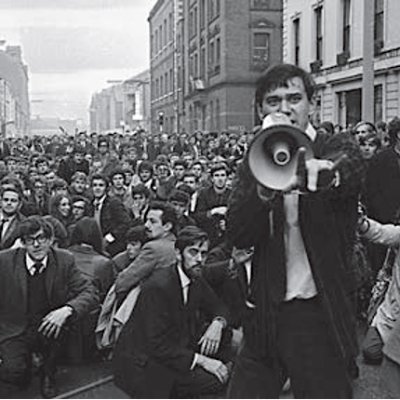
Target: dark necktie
2, 223
36, 268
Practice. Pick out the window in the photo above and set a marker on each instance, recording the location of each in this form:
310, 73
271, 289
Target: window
346, 26
161, 38
379, 22
296, 40
165, 32
217, 116
378, 103
202, 13
202, 62
191, 66
318, 33
210, 10
171, 80
260, 48
166, 89
196, 66
191, 30
195, 21
260, 4
179, 78
218, 51
211, 107
211, 53
214, 9
171, 27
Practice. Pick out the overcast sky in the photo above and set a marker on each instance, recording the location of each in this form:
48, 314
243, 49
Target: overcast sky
72, 47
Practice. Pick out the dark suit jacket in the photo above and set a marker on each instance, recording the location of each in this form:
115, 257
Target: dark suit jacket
4, 151
382, 186
31, 206
208, 199
68, 167
12, 232
114, 219
232, 291
157, 343
96, 267
64, 283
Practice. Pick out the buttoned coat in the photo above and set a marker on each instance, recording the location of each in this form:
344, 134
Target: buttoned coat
327, 220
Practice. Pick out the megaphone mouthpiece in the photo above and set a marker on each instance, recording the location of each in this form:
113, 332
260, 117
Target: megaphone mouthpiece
274, 155
281, 153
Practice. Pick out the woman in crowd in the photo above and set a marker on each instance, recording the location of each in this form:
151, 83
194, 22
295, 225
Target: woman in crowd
60, 208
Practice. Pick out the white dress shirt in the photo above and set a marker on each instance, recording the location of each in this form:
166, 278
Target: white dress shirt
29, 262
299, 279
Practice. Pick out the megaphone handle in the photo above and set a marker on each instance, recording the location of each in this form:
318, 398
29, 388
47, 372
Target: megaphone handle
301, 170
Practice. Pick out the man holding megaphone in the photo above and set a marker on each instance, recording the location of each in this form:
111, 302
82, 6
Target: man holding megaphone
295, 200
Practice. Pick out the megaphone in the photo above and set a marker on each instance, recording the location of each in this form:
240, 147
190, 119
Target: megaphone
274, 153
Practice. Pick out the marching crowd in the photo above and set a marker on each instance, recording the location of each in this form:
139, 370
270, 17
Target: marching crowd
145, 248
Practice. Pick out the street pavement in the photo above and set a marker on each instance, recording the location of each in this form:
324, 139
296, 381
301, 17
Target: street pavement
367, 386
94, 381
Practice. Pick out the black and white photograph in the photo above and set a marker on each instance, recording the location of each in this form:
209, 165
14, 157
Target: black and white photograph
199, 199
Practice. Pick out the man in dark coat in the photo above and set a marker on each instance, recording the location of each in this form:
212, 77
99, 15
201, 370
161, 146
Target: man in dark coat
303, 322
38, 200
10, 217
210, 212
159, 354
75, 162
110, 214
41, 291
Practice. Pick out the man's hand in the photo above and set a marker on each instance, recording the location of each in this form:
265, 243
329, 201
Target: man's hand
314, 167
222, 225
53, 322
265, 194
240, 256
308, 171
215, 367
210, 341
221, 210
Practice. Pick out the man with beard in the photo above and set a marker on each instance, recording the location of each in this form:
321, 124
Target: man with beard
157, 253
160, 353
212, 203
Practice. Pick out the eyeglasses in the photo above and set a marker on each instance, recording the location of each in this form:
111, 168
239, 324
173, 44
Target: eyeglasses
78, 207
41, 239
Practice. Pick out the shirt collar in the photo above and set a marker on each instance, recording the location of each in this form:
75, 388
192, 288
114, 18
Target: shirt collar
30, 263
185, 281
100, 201
311, 132
2, 216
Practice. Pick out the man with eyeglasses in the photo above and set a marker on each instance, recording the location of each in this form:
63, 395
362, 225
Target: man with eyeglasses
41, 291
38, 200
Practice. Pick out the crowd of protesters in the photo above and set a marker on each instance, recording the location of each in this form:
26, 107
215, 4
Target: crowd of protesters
125, 205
